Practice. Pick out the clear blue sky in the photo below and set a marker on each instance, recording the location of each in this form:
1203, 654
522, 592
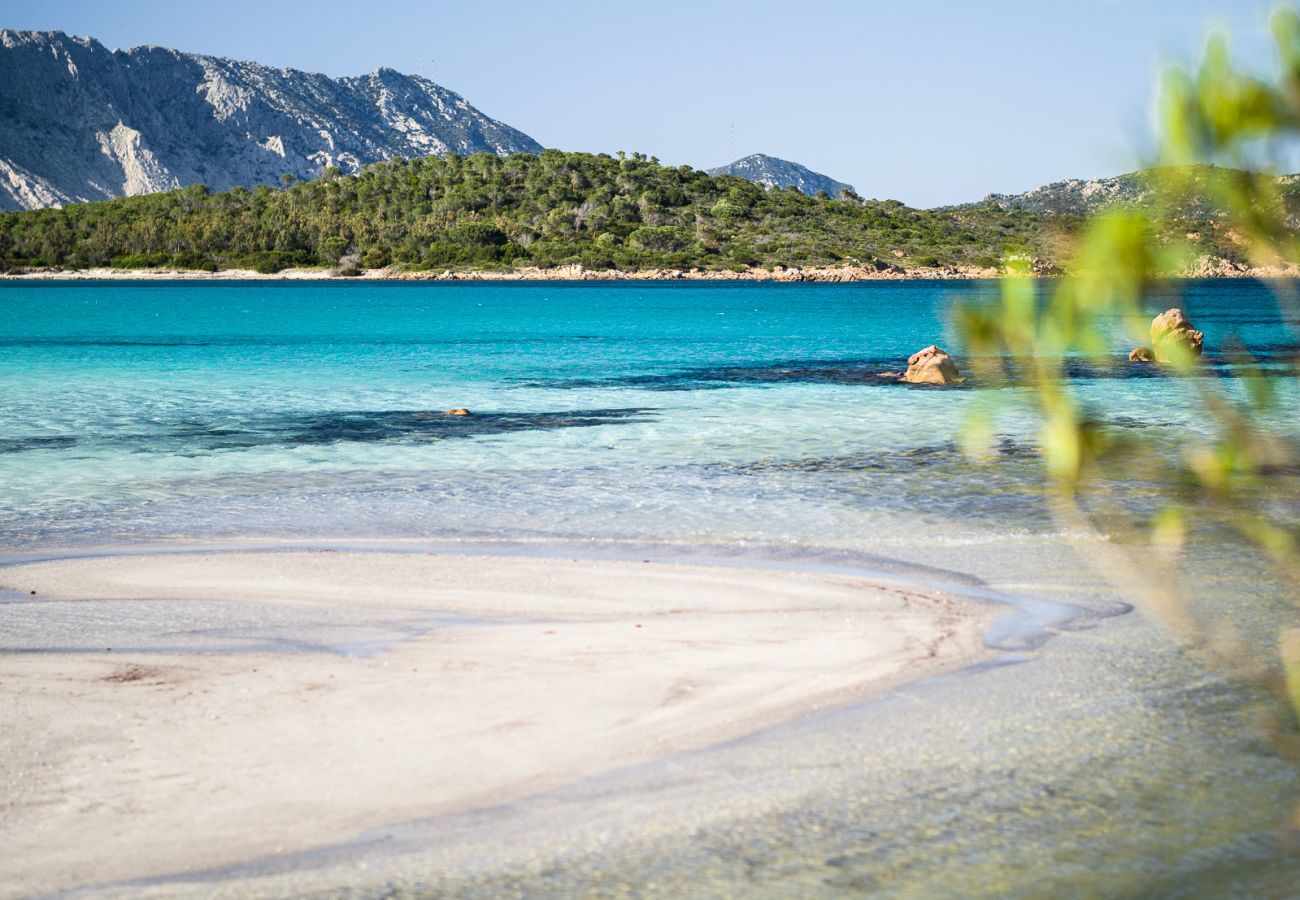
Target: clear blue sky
927, 101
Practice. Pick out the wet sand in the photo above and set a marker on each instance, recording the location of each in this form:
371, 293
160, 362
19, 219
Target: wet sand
258, 705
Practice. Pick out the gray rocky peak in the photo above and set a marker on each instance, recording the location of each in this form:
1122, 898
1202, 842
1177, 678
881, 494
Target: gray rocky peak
81, 122
768, 170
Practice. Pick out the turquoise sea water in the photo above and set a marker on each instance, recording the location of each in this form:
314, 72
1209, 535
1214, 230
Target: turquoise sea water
679, 412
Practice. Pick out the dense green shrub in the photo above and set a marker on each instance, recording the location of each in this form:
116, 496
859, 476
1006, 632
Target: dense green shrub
547, 209
140, 261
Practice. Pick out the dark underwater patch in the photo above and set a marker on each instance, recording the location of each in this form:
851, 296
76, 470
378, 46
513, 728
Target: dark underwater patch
1131, 422
937, 481
197, 436
22, 445
876, 370
843, 371
367, 426
947, 454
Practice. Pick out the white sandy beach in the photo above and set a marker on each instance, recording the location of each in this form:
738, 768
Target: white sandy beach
119, 765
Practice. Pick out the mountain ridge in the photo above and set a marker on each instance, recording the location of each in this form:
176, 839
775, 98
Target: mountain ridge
771, 171
82, 122
1185, 190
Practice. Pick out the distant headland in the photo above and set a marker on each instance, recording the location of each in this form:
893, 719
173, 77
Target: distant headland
557, 215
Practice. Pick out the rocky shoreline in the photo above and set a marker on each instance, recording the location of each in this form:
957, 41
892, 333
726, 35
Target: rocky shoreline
529, 273
1202, 268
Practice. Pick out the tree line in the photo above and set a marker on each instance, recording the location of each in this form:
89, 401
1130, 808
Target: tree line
484, 212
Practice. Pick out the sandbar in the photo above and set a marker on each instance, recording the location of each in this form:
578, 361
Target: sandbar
198, 744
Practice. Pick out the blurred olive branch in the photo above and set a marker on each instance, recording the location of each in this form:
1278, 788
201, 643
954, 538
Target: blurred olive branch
1214, 115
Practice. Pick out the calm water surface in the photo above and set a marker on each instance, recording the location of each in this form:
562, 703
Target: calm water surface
680, 412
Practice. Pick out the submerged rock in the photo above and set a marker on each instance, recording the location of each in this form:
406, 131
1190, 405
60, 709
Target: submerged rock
931, 366
1172, 336
1141, 354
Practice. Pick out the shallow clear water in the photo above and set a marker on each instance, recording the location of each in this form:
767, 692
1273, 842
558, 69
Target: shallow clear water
682, 412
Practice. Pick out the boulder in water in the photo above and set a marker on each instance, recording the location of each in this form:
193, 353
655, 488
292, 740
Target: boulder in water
1141, 354
457, 412
1173, 337
931, 366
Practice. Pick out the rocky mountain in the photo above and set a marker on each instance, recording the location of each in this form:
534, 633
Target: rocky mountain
1191, 191
81, 122
1080, 197
773, 172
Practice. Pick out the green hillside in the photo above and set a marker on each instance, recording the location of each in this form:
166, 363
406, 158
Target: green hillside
486, 212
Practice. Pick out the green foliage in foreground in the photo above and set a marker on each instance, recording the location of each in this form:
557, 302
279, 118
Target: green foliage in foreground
550, 209
1236, 472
